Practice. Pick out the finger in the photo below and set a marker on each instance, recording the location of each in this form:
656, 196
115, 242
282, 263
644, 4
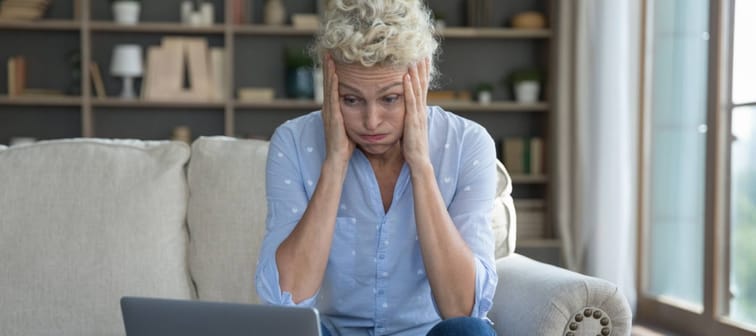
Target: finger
409, 95
333, 95
416, 85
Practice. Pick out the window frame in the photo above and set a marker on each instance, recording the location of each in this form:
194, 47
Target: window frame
653, 310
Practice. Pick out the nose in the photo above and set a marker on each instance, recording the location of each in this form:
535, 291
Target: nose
372, 117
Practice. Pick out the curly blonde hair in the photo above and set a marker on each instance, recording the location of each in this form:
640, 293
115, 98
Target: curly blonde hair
377, 32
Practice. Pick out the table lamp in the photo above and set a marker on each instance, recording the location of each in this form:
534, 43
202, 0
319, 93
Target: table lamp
127, 63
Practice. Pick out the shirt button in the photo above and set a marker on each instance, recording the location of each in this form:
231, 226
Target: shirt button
381, 256
385, 274
380, 292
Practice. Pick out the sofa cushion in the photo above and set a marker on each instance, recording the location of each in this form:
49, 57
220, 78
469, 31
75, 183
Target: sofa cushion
226, 216
84, 222
504, 222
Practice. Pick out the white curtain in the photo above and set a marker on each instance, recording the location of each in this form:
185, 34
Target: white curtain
597, 138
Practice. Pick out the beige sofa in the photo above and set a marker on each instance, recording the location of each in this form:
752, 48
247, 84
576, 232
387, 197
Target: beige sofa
84, 222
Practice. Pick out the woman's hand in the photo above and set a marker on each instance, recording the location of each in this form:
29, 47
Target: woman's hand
415, 139
339, 147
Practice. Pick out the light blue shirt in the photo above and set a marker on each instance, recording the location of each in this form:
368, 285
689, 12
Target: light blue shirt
375, 281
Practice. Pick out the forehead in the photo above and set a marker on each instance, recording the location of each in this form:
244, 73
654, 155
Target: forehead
369, 79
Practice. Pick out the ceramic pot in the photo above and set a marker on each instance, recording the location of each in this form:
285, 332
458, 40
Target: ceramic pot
275, 12
299, 83
126, 12
527, 91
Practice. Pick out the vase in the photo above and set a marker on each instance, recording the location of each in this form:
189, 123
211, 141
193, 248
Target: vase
299, 83
527, 91
275, 12
126, 12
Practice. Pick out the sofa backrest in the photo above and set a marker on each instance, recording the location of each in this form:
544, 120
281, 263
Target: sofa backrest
227, 210
84, 222
226, 216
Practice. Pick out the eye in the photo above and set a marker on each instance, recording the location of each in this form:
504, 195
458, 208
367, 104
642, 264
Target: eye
390, 99
350, 100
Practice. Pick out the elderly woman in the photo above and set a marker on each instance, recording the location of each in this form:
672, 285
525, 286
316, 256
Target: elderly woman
379, 205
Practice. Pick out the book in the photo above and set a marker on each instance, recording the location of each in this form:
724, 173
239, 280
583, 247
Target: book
523, 155
219, 77
536, 156
12, 76
94, 71
16, 76
200, 87
514, 155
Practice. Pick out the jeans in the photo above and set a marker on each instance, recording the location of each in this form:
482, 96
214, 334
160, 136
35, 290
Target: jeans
458, 326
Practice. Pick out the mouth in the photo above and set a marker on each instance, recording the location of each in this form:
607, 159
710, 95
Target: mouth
373, 137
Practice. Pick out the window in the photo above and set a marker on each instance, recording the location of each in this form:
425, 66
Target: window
742, 306
698, 223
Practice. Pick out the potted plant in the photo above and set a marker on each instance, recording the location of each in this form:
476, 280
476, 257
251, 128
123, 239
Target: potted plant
526, 84
439, 20
483, 92
299, 74
126, 11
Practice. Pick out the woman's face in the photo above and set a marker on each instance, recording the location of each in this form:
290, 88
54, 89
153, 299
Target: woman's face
372, 103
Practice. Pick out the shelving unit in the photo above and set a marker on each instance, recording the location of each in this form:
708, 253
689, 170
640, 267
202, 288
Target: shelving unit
469, 55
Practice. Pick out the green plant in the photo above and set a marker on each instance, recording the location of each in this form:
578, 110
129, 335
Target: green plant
522, 75
297, 58
483, 86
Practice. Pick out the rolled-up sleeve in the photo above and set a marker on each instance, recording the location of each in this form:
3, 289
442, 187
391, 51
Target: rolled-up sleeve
470, 210
287, 201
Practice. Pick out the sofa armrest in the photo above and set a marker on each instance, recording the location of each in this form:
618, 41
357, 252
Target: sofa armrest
533, 298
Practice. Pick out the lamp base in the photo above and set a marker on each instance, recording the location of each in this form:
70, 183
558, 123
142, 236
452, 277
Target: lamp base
127, 92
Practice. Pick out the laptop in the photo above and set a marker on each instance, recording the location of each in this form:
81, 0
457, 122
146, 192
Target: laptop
168, 317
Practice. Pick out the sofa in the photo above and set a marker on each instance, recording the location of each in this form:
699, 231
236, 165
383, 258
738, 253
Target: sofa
84, 222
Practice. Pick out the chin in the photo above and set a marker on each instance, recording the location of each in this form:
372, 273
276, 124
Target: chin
376, 149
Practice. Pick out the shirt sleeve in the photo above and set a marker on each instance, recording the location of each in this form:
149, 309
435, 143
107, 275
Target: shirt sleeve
471, 211
287, 201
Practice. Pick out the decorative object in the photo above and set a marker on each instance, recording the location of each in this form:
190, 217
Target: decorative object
207, 12
529, 20
305, 21
275, 12
187, 8
127, 63
439, 20
177, 61
24, 9
18, 141
526, 84
256, 94
182, 133
483, 93
197, 14
126, 11
299, 70
479, 13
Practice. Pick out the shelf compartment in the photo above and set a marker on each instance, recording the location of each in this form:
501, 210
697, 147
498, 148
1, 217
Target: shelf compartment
453, 32
44, 25
494, 33
33, 100
281, 104
156, 28
261, 29
139, 103
500, 106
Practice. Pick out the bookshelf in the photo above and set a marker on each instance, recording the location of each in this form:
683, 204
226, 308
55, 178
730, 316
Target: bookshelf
254, 59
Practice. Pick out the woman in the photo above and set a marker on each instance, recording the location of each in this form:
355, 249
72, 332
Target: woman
378, 205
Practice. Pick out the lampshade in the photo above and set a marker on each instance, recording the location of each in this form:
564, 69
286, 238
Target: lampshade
127, 60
